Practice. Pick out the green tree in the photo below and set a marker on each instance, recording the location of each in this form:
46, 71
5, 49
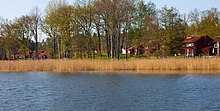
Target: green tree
146, 24
210, 23
24, 31
172, 30
36, 23
194, 23
9, 36
59, 24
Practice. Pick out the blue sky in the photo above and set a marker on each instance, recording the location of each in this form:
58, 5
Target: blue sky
15, 8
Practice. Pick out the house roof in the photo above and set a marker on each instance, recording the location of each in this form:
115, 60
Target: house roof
134, 46
217, 39
191, 39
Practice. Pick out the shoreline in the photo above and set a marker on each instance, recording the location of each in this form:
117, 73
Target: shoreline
121, 72
140, 66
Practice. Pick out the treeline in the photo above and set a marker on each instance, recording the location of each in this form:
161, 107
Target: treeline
95, 27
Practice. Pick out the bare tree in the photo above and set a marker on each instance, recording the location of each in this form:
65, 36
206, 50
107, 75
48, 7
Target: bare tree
36, 19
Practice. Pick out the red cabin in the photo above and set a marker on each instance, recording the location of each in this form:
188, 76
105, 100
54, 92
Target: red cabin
216, 49
198, 45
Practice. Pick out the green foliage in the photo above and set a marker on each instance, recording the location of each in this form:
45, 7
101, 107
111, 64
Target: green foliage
204, 23
87, 27
173, 31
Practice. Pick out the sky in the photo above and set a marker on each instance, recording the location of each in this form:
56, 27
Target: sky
11, 9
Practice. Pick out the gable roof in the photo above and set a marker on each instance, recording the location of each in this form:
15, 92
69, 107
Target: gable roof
191, 39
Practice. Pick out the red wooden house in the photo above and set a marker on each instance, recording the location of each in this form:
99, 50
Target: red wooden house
198, 45
137, 49
216, 49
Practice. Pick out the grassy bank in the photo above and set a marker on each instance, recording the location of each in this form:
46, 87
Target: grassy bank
111, 65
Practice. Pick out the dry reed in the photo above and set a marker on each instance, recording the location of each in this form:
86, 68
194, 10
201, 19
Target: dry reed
110, 65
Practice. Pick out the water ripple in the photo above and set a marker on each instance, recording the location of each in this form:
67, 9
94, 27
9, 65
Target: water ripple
102, 92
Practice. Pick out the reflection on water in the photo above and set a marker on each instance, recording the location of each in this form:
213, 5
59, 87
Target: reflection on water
108, 92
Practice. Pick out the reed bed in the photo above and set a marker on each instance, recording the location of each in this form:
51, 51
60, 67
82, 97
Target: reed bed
110, 65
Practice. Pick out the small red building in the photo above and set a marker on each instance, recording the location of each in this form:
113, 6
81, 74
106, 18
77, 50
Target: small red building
137, 49
216, 49
198, 45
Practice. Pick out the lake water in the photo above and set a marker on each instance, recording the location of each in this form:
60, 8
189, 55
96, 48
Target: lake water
108, 92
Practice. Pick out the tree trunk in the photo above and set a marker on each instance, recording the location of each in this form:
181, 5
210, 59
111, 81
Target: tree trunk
123, 40
99, 40
113, 45
36, 39
107, 44
59, 48
126, 46
118, 44
109, 48
54, 49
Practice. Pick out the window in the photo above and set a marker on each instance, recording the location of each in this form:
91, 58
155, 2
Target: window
190, 44
216, 45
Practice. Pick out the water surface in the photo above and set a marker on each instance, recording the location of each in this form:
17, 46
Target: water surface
108, 92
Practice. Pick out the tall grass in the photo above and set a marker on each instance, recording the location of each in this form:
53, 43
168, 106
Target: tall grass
111, 65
